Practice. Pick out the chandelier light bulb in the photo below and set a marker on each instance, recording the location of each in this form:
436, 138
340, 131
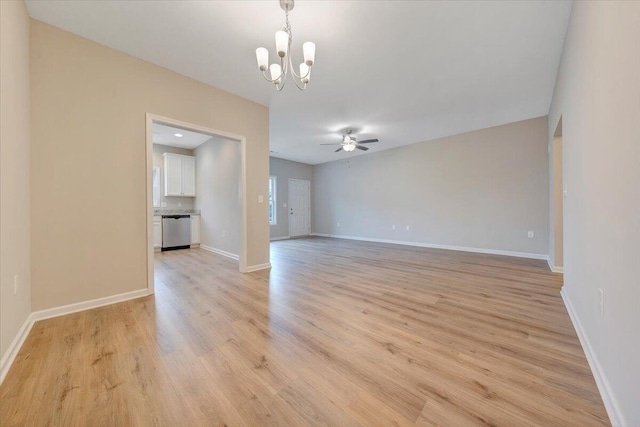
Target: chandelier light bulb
276, 72
305, 73
349, 147
262, 55
309, 51
282, 43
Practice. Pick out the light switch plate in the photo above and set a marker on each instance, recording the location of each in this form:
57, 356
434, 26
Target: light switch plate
530, 234
260, 198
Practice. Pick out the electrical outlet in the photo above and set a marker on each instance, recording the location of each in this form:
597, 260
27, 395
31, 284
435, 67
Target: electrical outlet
284, 205
179, 204
15, 284
163, 204
338, 225
260, 198
530, 234
408, 228
224, 233
564, 191
601, 301
393, 227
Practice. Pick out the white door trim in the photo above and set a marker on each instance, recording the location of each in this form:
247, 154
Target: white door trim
150, 119
290, 204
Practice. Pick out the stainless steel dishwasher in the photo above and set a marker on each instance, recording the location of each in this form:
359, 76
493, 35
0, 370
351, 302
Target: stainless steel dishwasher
176, 232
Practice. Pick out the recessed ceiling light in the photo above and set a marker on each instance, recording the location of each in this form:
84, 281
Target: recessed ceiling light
179, 135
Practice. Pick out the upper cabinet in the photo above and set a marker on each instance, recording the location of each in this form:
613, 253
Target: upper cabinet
179, 175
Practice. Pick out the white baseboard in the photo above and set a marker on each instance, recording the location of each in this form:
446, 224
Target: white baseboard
280, 238
236, 257
11, 353
87, 305
610, 402
554, 268
435, 246
258, 267
220, 252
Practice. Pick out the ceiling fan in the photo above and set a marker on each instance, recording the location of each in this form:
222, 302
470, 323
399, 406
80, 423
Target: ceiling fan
349, 142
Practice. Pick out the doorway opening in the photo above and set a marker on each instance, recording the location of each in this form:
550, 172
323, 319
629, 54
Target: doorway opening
559, 192
299, 207
196, 190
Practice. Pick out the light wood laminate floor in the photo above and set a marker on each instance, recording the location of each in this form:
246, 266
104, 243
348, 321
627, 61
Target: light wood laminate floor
337, 333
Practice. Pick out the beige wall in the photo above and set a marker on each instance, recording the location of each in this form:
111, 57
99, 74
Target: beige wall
484, 189
15, 239
285, 169
597, 95
88, 162
219, 194
158, 160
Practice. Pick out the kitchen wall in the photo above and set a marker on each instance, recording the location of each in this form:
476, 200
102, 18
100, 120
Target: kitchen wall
15, 147
484, 189
219, 194
88, 174
158, 160
283, 170
597, 95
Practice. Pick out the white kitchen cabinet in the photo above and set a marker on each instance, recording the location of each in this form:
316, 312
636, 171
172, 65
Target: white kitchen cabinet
179, 175
189, 176
157, 232
195, 229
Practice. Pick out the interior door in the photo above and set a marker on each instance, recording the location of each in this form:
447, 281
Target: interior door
299, 207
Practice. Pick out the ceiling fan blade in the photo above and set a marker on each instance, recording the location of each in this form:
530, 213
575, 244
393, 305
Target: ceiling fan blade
362, 148
339, 149
337, 143
367, 141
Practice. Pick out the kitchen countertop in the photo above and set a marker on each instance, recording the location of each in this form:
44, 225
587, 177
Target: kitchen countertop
160, 212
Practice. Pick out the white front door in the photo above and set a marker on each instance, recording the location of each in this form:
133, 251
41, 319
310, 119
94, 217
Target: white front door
299, 207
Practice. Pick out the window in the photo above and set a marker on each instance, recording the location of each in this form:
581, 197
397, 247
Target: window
156, 187
272, 200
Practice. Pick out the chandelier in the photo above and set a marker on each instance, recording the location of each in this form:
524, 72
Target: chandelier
278, 72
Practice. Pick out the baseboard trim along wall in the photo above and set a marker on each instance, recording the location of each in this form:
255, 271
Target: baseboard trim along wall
236, 257
435, 246
257, 267
553, 268
279, 238
10, 355
610, 402
220, 252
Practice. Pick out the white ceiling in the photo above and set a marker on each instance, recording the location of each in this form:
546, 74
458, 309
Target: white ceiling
166, 135
400, 71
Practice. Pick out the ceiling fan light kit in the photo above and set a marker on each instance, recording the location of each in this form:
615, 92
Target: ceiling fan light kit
278, 72
349, 143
